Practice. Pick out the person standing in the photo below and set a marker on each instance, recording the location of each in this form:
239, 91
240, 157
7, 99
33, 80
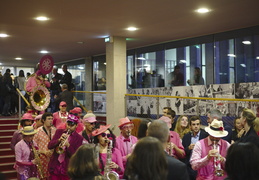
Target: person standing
64, 143
208, 155
55, 88
25, 162
26, 120
89, 121
42, 138
197, 79
61, 115
7, 92
125, 140
66, 96
176, 78
189, 141
19, 83
66, 78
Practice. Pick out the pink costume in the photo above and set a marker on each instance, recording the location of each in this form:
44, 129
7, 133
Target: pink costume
125, 146
32, 83
175, 138
58, 116
42, 140
117, 158
23, 156
199, 159
80, 127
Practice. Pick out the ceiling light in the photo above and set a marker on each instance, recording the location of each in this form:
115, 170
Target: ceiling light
42, 18
243, 65
257, 57
202, 10
231, 55
131, 28
44, 52
141, 58
4, 35
104, 63
246, 42
182, 61
80, 42
18, 58
1, 63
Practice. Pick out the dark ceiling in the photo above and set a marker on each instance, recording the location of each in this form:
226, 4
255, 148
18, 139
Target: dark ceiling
73, 21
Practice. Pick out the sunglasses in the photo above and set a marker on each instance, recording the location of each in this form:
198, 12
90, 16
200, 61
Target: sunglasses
70, 123
106, 135
93, 123
64, 106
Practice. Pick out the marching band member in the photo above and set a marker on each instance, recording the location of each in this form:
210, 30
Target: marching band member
77, 111
89, 121
102, 136
65, 142
125, 141
175, 147
208, 155
26, 120
25, 164
61, 115
38, 122
42, 138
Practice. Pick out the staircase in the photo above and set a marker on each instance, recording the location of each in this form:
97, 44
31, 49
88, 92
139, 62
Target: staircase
7, 158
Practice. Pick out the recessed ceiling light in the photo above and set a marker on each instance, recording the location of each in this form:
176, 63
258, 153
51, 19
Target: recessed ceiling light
1, 63
141, 58
243, 65
18, 58
257, 57
42, 18
80, 42
182, 61
231, 55
131, 28
202, 10
4, 35
44, 51
246, 42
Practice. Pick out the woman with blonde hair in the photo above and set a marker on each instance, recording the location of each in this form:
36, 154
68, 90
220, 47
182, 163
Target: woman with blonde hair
182, 126
247, 119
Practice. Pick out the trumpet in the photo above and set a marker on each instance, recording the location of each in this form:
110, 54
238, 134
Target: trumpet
60, 147
217, 162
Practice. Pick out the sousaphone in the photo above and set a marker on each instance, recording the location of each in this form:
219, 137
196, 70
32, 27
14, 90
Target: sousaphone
40, 96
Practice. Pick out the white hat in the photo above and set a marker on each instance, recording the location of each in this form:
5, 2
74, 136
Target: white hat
216, 129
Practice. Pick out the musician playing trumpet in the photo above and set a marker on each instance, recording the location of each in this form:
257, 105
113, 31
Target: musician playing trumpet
208, 155
64, 143
25, 164
125, 141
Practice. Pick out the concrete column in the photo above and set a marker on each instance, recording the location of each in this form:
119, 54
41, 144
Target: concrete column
88, 82
116, 80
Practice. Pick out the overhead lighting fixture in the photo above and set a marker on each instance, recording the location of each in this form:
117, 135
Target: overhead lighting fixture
42, 18
80, 42
4, 35
18, 58
183, 61
131, 28
257, 57
203, 10
243, 65
1, 63
141, 58
44, 52
104, 63
246, 42
231, 55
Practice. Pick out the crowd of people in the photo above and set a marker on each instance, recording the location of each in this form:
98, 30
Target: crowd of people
67, 145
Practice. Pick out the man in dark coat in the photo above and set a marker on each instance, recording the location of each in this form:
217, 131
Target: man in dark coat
189, 141
66, 96
66, 78
176, 169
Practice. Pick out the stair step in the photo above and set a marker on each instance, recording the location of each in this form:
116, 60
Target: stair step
6, 166
6, 151
9, 121
11, 174
4, 145
7, 159
7, 132
8, 126
5, 138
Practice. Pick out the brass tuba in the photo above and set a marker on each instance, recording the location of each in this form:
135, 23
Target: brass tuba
40, 98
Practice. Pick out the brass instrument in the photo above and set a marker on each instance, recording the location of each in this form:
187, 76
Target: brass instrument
217, 163
60, 147
40, 98
39, 165
108, 173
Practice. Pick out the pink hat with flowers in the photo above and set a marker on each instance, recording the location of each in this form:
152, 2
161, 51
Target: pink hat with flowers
72, 118
124, 121
101, 130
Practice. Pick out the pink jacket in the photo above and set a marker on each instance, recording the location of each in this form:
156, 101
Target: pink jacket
32, 83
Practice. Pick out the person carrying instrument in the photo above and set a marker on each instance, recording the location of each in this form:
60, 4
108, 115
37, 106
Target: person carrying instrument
208, 155
65, 143
125, 141
25, 164
89, 121
42, 138
103, 137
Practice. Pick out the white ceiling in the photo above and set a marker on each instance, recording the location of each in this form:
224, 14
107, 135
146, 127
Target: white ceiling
73, 21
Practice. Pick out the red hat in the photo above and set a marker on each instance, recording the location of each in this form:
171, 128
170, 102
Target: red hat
101, 130
27, 116
72, 118
62, 103
124, 121
76, 110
